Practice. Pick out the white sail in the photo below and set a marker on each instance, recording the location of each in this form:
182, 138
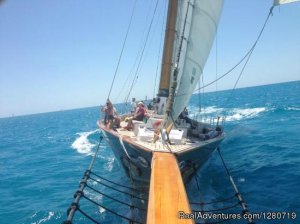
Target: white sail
281, 2
200, 29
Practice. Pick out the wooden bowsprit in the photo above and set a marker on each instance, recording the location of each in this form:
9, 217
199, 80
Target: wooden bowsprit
167, 196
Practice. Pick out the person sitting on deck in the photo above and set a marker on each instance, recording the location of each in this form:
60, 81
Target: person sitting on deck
184, 116
139, 115
111, 118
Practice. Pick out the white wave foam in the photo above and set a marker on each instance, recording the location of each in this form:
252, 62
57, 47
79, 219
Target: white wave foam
238, 114
50, 214
241, 179
210, 110
205, 110
33, 215
82, 143
110, 164
101, 210
293, 108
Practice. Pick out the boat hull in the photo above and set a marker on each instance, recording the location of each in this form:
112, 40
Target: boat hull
136, 160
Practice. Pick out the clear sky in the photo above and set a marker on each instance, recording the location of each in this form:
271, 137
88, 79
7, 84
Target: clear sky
57, 55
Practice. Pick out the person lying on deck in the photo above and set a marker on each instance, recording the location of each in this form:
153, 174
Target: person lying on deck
111, 119
139, 115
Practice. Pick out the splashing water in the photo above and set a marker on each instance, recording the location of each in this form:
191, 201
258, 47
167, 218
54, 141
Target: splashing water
82, 143
238, 114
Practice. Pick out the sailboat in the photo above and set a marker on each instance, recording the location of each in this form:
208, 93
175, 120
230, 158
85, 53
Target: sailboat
190, 31
168, 148
191, 27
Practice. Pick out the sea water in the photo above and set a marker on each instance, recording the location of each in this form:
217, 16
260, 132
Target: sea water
43, 158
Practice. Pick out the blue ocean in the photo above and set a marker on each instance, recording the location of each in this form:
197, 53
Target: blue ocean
44, 156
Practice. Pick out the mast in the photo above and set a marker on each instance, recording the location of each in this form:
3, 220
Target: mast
168, 49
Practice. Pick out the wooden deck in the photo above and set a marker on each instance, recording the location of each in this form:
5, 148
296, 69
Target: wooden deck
158, 146
167, 192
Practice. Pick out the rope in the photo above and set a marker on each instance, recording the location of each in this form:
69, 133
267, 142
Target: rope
243, 58
130, 188
183, 30
123, 146
132, 195
208, 203
159, 50
88, 216
130, 174
111, 211
137, 69
128, 28
248, 57
238, 195
112, 198
79, 194
131, 73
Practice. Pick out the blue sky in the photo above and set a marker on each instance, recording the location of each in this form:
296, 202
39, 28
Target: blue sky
57, 55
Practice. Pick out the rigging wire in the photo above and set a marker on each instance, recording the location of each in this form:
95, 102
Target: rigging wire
114, 199
238, 195
84, 184
139, 63
74, 206
131, 73
248, 57
118, 184
110, 210
120, 191
123, 46
159, 50
88, 216
248, 54
217, 94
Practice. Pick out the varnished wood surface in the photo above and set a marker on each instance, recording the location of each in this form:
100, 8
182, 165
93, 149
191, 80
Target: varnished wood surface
167, 192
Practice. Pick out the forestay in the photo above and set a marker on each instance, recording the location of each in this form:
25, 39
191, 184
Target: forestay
202, 18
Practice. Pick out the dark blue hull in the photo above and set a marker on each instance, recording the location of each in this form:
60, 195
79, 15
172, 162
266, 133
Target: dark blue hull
136, 160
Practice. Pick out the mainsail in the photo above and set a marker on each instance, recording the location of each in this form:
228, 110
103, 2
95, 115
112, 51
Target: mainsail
197, 21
